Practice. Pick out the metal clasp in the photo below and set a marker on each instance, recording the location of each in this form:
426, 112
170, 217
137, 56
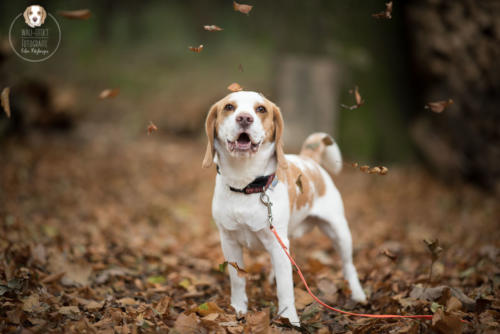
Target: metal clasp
264, 198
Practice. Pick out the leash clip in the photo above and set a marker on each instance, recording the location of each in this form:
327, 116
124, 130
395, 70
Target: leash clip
264, 198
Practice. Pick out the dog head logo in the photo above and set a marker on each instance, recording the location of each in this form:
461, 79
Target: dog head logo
34, 16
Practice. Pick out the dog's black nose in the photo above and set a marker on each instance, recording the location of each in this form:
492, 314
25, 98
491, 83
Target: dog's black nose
35, 18
244, 120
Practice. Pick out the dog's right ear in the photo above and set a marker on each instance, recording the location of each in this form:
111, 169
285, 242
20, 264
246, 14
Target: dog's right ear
208, 160
25, 14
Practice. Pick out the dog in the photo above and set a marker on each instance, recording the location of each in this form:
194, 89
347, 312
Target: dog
245, 131
34, 16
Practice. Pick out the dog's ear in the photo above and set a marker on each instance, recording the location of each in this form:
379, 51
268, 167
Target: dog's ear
25, 14
278, 138
44, 15
208, 160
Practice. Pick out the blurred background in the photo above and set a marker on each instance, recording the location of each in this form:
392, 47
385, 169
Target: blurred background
83, 184
305, 56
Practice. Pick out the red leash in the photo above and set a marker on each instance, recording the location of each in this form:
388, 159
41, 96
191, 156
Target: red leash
379, 316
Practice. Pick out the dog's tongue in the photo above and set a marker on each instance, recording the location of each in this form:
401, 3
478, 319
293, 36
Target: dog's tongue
243, 141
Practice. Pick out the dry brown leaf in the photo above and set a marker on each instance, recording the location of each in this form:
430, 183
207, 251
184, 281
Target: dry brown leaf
364, 168
374, 170
80, 14
127, 301
355, 164
242, 8
241, 272
31, 303
163, 305
386, 14
151, 128
93, 306
445, 323
212, 28
4, 97
383, 170
109, 93
357, 97
208, 308
235, 87
240, 67
390, 255
53, 278
302, 298
438, 106
453, 304
186, 323
196, 49
258, 322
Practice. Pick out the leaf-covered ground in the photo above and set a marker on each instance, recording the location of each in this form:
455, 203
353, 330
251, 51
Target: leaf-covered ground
103, 235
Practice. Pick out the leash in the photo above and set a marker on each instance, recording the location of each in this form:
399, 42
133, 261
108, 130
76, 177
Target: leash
264, 198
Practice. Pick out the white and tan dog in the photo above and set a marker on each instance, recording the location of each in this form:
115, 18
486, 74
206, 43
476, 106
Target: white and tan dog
244, 132
34, 16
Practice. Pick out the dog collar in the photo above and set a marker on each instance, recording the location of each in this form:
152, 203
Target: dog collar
260, 184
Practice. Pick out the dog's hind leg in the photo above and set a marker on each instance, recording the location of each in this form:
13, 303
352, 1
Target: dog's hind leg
336, 228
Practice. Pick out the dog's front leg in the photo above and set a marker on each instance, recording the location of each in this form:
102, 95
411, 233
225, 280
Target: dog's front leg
283, 274
234, 253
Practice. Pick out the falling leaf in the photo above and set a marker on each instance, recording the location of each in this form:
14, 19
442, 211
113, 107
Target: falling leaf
374, 170
383, 170
386, 14
4, 97
241, 272
109, 93
364, 168
438, 106
234, 87
240, 67
355, 164
298, 182
242, 8
208, 308
196, 49
151, 128
357, 96
212, 28
80, 14
391, 256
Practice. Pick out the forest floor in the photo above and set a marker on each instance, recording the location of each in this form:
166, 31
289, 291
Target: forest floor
102, 235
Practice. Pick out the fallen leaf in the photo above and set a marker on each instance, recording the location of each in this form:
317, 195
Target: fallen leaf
242, 8
438, 106
109, 93
127, 301
223, 266
151, 128
357, 97
185, 283
163, 305
302, 298
93, 305
197, 50
208, 308
80, 14
186, 323
53, 278
241, 272
212, 28
4, 97
298, 182
32, 303
391, 256
434, 248
71, 312
258, 322
156, 279
445, 323
386, 14
453, 304
234, 87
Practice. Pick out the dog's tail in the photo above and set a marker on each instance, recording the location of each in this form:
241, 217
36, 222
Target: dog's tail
324, 150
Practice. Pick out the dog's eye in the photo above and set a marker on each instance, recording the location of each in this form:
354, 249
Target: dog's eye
38, 13
228, 107
261, 109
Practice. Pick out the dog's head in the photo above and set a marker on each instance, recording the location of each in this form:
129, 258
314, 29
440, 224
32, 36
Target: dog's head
242, 122
34, 16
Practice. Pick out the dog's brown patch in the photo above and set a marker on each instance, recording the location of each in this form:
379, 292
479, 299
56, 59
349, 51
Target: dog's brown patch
312, 185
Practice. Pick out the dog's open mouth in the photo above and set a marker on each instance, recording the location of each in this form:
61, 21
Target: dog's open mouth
243, 144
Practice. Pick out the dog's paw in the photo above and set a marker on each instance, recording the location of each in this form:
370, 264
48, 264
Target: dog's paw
240, 309
291, 315
359, 296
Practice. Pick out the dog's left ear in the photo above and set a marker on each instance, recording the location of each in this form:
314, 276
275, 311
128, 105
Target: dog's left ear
44, 15
278, 138
208, 160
